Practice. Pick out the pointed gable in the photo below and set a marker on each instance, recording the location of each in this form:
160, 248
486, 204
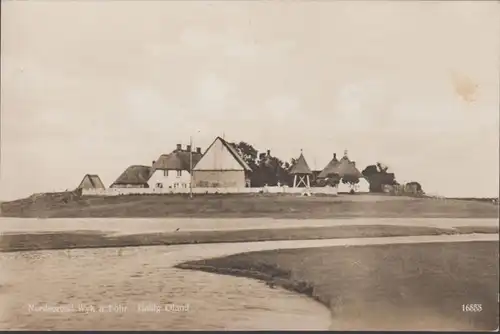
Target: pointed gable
220, 155
300, 166
331, 168
91, 181
347, 167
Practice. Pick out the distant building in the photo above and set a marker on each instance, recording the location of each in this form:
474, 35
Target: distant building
135, 176
91, 181
173, 170
343, 168
221, 166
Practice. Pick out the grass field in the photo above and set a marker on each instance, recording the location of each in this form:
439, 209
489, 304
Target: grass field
383, 287
255, 205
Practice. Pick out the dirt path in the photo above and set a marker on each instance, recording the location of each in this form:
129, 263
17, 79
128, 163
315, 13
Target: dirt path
151, 225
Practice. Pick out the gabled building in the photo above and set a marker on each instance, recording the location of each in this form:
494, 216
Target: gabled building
173, 170
221, 166
91, 181
135, 176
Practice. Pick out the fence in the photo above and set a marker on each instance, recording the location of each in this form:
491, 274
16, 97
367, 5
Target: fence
198, 190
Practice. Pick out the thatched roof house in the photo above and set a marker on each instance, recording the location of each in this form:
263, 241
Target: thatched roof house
343, 167
301, 166
135, 176
331, 168
178, 160
91, 181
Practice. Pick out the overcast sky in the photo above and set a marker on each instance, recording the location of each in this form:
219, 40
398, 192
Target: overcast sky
96, 86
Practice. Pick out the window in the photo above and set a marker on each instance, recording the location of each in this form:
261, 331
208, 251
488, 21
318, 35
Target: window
165, 173
159, 185
179, 173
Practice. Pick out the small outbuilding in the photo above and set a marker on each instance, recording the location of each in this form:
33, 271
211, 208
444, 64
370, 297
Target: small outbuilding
91, 181
301, 172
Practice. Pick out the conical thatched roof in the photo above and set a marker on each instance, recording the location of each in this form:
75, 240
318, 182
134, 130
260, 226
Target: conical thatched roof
331, 168
134, 175
347, 167
300, 166
342, 168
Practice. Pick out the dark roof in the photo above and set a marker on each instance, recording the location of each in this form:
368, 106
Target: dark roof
331, 168
94, 181
300, 166
177, 160
135, 174
342, 168
347, 167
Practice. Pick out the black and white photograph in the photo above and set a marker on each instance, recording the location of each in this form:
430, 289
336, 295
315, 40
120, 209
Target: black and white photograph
240, 165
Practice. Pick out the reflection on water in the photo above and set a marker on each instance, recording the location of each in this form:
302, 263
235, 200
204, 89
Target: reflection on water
137, 288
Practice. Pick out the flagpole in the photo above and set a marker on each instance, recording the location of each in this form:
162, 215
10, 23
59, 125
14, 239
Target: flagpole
191, 167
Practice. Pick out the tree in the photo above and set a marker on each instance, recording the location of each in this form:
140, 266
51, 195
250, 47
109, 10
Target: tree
266, 169
248, 153
332, 180
378, 176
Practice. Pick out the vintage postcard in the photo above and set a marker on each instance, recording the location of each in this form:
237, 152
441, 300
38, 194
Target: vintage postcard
249, 165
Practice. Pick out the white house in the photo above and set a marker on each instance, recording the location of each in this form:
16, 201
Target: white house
173, 170
221, 166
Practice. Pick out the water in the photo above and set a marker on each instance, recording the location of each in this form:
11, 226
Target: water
131, 278
134, 279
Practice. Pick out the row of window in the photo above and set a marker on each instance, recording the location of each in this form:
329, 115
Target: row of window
175, 185
179, 173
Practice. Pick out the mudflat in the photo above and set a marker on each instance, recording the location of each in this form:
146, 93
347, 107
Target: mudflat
16, 241
247, 206
383, 287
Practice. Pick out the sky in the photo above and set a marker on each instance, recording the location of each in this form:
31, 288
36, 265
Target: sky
97, 86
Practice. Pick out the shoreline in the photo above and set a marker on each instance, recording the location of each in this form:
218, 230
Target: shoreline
275, 269
37, 241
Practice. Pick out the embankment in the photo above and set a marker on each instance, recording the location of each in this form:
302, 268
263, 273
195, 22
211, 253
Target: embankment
71, 205
383, 287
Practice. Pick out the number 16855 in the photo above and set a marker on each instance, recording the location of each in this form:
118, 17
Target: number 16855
472, 307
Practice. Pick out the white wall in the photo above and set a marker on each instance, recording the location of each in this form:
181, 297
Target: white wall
171, 180
362, 187
145, 191
218, 157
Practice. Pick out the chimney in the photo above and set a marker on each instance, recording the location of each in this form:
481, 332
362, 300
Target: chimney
198, 150
334, 156
268, 153
153, 163
188, 148
179, 147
